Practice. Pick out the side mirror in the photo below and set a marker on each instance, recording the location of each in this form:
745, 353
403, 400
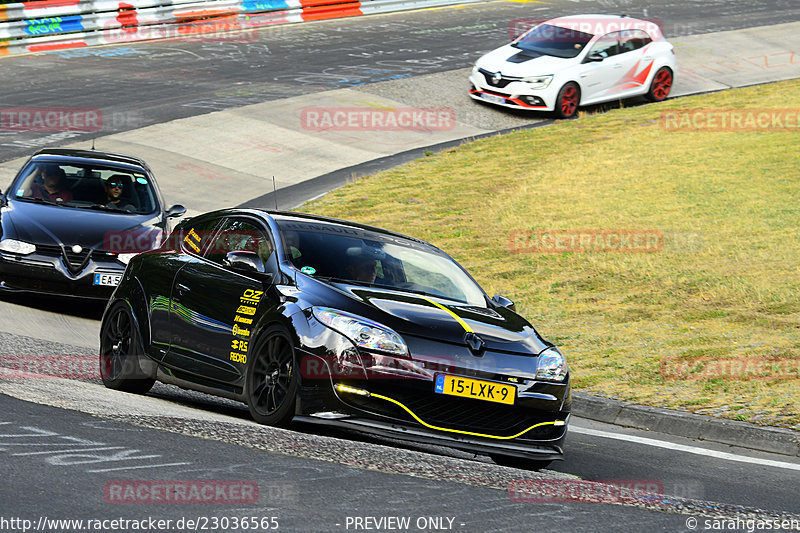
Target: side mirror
502, 301
247, 263
175, 211
594, 58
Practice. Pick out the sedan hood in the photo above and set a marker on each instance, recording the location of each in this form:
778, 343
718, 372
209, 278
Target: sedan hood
512, 61
417, 315
48, 224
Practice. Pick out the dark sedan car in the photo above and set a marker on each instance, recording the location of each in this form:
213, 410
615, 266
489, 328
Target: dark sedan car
337, 323
72, 219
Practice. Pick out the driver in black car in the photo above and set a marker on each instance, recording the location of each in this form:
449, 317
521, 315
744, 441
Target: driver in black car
363, 269
114, 186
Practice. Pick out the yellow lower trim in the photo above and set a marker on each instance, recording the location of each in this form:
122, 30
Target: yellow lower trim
345, 388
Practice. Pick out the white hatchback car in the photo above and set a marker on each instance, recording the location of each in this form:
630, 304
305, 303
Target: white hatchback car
567, 62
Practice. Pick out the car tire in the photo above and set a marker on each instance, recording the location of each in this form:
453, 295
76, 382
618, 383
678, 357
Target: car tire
567, 100
272, 378
120, 350
519, 462
660, 86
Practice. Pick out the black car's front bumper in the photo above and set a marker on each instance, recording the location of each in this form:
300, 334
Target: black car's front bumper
53, 274
407, 407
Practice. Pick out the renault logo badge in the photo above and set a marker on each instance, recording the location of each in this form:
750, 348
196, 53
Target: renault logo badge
475, 343
496, 77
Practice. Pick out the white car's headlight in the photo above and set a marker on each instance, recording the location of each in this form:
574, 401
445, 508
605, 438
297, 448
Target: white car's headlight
538, 82
17, 247
551, 366
125, 258
361, 331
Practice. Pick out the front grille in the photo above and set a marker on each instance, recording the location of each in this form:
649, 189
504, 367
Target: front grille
464, 414
504, 80
74, 262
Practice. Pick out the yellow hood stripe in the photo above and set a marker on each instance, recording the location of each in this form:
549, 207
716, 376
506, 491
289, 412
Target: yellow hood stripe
451, 313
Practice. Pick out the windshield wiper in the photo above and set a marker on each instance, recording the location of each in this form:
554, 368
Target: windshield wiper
101, 207
42, 201
334, 279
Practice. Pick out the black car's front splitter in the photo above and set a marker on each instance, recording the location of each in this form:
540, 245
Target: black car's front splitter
544, 452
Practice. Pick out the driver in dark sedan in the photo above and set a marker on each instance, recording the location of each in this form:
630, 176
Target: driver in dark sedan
52, 186
113, 187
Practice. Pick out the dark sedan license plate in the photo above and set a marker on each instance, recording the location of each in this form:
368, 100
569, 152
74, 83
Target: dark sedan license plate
111, 280
475, 388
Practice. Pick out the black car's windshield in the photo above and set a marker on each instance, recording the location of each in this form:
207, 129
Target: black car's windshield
118, 190
353, 255
555, 41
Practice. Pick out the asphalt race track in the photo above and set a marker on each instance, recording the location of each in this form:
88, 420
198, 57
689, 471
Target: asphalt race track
65, 444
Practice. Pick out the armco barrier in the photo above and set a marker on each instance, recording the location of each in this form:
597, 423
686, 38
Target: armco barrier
45, 25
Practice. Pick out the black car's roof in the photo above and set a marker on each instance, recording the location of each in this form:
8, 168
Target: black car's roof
89, 156
291, 215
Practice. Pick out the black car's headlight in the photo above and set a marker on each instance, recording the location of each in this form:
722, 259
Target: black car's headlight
362, 331
17, 247
551, 365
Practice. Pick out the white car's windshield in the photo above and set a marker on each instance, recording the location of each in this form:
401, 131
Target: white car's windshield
353, 255
87, 187
550, 40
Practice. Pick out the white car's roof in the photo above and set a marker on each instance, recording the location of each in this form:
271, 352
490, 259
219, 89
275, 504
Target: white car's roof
597, 24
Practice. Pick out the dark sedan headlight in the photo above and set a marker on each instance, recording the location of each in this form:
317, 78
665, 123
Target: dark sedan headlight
361, 331
551, 366
17, 247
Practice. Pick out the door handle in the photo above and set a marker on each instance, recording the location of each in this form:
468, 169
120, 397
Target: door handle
182, 288
618, 65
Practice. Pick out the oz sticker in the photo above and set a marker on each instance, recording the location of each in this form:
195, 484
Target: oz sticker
308, 270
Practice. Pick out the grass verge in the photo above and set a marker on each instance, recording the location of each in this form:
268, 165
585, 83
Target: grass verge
709, 321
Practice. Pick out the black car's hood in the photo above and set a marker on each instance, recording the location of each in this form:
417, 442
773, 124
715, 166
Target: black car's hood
411, 314
48, 224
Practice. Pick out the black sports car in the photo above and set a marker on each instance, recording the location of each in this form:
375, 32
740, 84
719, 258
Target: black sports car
337, 323
72, 219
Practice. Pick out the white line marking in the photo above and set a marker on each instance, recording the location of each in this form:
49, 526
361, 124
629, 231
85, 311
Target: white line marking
70, 451
136, 467
684, 448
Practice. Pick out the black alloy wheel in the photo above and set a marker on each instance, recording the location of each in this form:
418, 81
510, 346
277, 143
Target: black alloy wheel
120, 349
272, 378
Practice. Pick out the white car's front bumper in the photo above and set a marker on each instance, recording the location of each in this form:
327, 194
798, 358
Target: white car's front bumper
510, 92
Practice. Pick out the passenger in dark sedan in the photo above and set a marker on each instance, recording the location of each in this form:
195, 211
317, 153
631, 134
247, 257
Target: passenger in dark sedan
52, 188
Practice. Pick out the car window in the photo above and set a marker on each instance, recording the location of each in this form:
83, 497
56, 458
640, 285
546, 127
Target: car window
631, 40
194, 235
116, 189
239, 235
606, 46
354, 255
554, 41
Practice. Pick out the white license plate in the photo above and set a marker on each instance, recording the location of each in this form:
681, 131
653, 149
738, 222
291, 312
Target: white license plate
111, 280
493, 98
